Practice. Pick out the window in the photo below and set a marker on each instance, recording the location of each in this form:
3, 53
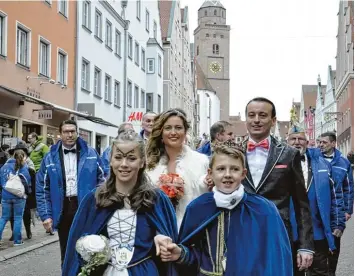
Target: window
130, 46
87, 14
215, 12
149, 101
139, 4
159, 104
97, 82
151, 69
143, 60
159, 65
207, 35
63, 7
215, 49
2, 34
205, 13
129, 93
136, 96
44, 56
223, 14
197, 50
222, 36
62, 67
155, 29
108, 88
108, 39
147, 20
142, 98
98, 24
117, 95
23, 46
85, 75
118, 43
136, 53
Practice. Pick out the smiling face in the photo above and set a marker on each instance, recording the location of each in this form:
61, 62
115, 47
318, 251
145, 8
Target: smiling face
259, 120
147, 123
174, 132
227, 173
126, 161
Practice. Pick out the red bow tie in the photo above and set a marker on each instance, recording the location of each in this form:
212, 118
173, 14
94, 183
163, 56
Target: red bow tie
263, 144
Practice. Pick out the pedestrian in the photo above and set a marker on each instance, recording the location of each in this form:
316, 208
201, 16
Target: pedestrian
107, 152
228, 231
275, 172
326, 202
168, 157
37, 149
343, 177
147, 125
129, 211
13, 205
69, 171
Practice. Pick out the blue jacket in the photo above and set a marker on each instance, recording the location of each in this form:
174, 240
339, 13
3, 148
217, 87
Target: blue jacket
205, 149
343, 176
106, 155
329, 198
9, 167
50, 185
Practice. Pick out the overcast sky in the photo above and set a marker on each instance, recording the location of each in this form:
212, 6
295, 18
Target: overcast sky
276, 46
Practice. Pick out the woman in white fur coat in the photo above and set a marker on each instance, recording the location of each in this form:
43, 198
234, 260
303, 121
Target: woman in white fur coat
167, 153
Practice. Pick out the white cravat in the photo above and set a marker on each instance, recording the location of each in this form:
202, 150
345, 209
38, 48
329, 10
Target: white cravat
228, 201
256, 161
305, 170
70, 166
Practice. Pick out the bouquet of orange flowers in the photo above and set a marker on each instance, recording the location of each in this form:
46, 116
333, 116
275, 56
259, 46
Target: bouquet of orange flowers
173, 186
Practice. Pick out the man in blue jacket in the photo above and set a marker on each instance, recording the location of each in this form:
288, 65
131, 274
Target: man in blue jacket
325, 200
68, 172
343, 177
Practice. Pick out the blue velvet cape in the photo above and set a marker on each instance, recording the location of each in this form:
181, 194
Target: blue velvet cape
92, 220
257, 243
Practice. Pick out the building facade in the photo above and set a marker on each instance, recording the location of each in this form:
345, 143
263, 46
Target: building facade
344, 92
212, 50
178, 74
37, 61
209, 106
307, 110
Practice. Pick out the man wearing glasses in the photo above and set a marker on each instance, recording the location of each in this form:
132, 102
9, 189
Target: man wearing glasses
69, 171
325, 200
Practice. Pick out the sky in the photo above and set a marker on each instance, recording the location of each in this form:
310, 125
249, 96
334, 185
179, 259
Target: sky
275, 47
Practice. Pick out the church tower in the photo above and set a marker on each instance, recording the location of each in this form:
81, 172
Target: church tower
212, 50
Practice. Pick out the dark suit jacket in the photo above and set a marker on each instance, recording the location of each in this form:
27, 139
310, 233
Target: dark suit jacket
282, 179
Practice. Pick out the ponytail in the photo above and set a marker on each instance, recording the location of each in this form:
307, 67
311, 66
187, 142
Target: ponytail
19, 156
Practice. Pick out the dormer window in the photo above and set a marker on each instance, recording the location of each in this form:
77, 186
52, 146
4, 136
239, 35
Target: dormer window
215, 12
205, 13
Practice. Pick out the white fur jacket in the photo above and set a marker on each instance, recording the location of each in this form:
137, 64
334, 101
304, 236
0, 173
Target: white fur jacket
192, 167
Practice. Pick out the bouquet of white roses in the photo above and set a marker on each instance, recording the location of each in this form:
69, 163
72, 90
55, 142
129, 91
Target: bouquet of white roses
95, 251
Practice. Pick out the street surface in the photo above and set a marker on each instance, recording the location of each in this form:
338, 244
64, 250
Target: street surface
45, 261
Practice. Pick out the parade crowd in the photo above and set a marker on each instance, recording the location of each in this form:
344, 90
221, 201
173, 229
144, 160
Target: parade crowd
161, 205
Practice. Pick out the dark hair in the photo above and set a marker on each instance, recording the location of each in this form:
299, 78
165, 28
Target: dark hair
67, 122
122, 128
33, 134
218, 127
143, 195
264, 100
19, 156
155, 146
230, 149
331, 135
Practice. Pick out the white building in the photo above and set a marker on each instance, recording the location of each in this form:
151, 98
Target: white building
119, 64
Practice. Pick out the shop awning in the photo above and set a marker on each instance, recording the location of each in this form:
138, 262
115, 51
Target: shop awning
35, 100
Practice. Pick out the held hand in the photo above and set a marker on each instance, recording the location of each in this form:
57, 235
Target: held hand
47, 224
171, 253
337, 233
304, 260
161, 243
347, 216
208, 182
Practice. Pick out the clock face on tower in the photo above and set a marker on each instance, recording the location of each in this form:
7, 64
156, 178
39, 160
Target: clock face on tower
215, 67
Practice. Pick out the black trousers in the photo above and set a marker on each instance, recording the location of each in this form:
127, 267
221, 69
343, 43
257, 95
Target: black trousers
70, 206
319, 265
333, 258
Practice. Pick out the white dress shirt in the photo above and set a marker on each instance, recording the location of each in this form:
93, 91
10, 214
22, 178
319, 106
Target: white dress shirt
70, 166
256, 161
305, 170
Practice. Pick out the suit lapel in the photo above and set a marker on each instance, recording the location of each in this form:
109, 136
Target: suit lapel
275, 152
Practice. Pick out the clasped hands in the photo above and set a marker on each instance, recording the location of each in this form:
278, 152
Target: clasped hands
166, 249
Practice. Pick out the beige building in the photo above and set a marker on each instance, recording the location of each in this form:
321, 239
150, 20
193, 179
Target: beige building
212, 50
178, 74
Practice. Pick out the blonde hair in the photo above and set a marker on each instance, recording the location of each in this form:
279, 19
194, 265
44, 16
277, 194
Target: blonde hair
232, 151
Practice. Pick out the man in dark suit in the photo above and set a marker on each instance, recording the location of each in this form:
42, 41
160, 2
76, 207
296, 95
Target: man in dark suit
275, 172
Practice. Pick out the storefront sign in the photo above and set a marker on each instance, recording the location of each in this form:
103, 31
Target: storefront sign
86, 108
135, 117
33, 93
45, 114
